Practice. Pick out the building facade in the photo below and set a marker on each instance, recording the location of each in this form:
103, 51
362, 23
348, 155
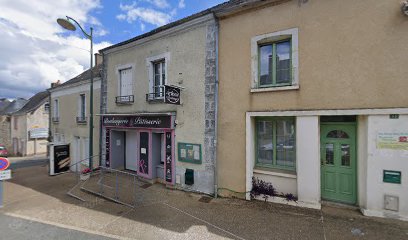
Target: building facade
158, 104
313, 101
69, 124
6, 109
29, 126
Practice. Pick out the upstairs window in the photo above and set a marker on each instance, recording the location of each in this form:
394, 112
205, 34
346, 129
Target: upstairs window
81, 117
275, 64
159, 78
55, 114
275, 61
125, 82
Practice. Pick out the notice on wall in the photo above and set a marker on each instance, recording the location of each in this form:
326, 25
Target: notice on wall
189, 152
395, 141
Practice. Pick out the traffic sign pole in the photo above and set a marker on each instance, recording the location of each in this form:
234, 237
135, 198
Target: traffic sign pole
4, 175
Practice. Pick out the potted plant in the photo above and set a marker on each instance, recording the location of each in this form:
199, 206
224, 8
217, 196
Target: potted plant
85, 174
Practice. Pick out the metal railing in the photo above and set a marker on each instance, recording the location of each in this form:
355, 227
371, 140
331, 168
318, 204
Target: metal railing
157, 95
125, 99
55, 119
123, 187
81, 119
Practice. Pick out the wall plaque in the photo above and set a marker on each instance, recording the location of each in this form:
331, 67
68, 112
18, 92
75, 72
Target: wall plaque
392, 176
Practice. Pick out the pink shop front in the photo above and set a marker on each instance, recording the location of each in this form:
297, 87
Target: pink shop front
141, 143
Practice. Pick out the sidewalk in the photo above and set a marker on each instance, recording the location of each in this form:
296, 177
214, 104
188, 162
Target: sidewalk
28, 158
33, 195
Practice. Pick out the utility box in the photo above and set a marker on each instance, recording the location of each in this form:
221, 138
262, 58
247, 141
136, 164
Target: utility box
391, 202
189, 177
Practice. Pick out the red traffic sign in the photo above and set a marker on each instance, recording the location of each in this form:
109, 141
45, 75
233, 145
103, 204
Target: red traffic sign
4, 163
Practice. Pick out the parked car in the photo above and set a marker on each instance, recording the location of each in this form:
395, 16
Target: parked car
3, 151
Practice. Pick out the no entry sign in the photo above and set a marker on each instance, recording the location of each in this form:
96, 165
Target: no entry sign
4, 163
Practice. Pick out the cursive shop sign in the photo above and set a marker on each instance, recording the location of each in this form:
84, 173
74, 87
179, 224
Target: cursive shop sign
138, 121
172, 95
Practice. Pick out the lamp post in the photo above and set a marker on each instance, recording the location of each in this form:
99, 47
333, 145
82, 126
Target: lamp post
67, 24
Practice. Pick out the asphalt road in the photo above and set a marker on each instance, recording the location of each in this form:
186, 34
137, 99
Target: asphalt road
21, 229
26, 163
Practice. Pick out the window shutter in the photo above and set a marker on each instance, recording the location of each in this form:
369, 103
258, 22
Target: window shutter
126, 83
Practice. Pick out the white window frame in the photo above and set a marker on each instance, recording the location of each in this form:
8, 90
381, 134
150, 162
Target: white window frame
150, 61
83, 118
55, 108
256, 41
118, 70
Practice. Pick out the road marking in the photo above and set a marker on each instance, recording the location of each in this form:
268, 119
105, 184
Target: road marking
204, 221
68, 227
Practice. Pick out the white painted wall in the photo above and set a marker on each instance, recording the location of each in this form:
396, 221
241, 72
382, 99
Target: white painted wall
386, 159
308, 159
362, 129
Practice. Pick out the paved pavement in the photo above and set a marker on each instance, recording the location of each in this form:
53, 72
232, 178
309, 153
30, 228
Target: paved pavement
21, 229
33, 195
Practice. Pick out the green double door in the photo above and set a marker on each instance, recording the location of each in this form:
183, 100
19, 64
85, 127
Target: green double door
338, 162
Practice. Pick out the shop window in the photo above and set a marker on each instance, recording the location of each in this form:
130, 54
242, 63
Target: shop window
275, 143
275, 60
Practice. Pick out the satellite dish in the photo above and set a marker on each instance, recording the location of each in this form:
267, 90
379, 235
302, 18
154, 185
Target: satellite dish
66, 24
404, 7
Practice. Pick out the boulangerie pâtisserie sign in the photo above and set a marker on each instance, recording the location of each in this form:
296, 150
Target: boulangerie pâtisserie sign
138, 121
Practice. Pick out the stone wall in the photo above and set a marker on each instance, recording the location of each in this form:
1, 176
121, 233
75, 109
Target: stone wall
5, 134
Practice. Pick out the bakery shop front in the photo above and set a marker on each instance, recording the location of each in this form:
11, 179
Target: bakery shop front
143, 143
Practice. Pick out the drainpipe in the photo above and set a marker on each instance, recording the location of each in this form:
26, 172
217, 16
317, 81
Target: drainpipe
216, 111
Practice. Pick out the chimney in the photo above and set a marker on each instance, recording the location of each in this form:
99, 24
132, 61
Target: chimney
98, 59
54, 84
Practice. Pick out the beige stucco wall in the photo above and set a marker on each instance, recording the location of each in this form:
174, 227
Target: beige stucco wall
26, 122
185, 68
68, 110
38, 119
352, 54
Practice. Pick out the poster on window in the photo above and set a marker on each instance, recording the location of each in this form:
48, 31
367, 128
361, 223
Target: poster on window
144, 154
394, 141
62, 160
169, 158
107, 146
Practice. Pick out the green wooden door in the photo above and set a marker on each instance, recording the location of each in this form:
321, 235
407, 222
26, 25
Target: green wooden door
338, 162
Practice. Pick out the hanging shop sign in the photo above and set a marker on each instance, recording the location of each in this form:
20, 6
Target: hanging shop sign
395, 141
62, 159
189, 152
169, 158
138, 121
392, 176
107, 146
172, 94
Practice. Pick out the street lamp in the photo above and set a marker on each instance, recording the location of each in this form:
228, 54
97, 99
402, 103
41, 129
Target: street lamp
67, 24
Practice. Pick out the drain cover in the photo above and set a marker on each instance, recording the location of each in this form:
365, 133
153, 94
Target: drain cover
144, 186
205, 199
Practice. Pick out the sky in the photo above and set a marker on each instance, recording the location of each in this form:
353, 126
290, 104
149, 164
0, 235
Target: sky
35, 51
